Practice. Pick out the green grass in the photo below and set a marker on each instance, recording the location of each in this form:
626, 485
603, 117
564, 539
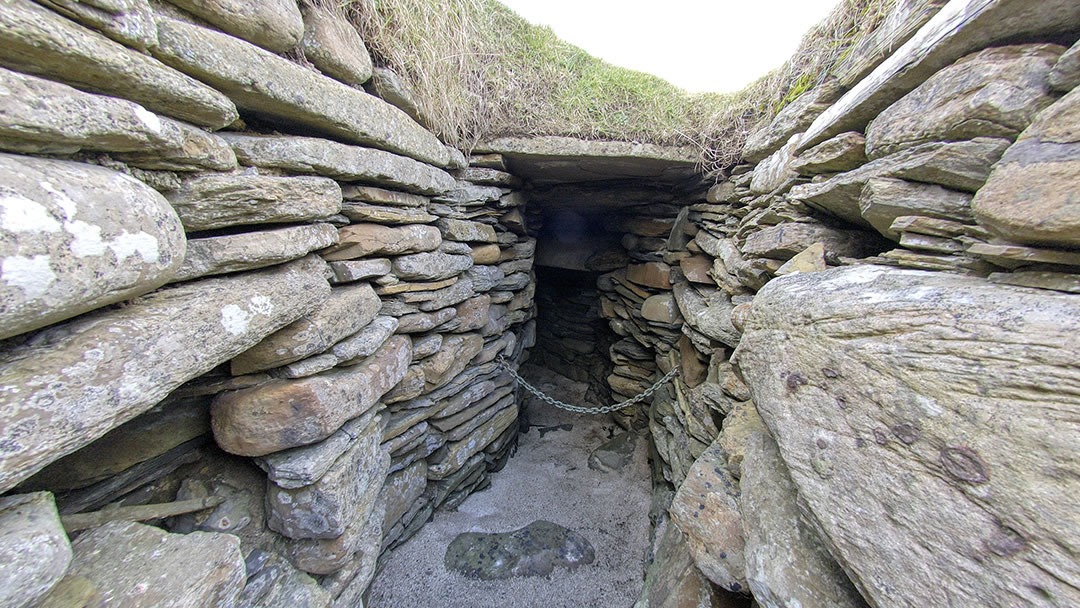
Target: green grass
479, 71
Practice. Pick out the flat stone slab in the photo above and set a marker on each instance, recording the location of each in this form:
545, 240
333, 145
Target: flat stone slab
216, 201
552, 159
36, 40
142, 566
274, 87
249, 250
81, 379
341, 162
45, 117
275, 25
534, 550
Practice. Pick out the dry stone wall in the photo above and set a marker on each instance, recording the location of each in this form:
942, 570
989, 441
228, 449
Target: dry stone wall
873, 320
241, 285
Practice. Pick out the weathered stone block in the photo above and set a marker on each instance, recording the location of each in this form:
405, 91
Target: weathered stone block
464, 230
250, 250
961, 165
1032, 195
142, 566
430, 266
216, 201
334, 46
283, 414
323, 509
275, 25
783, 241
992, 93
362, 240
129, 22
786, 563
34, 550
75, 237
889, 392
40, 116
348, 309
339, 161
706, 509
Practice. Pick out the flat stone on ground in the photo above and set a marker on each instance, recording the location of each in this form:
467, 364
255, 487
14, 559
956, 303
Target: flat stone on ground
534, 550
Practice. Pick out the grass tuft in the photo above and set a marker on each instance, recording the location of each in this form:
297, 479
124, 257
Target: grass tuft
477, 70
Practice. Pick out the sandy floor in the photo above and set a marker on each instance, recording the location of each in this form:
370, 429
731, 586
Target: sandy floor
548, 479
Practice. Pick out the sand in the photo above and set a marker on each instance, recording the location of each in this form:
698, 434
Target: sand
548, 478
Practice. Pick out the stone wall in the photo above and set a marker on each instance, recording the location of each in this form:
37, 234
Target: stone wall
877, 397
240, 293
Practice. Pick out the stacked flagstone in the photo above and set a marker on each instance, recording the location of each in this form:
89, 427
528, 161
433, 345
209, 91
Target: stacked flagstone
301, 326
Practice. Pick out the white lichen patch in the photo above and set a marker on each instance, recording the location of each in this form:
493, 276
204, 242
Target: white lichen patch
235, 320
20, 214
32, 275
62, 200
86, 239
142, 244
262, 305
148, 118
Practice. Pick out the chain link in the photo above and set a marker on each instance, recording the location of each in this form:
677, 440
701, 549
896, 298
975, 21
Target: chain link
588, 410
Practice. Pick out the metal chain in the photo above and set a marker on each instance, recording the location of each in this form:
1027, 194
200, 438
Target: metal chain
588, 410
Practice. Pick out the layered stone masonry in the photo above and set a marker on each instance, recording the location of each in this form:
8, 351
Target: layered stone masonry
851, 338
301, 326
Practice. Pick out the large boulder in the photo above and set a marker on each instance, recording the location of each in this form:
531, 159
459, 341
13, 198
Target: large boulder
34, 550
36, 40
76, 381
274, 87
142, 566
75, 237
275, 25
992, 93
787, 565
926, 422
1032, 196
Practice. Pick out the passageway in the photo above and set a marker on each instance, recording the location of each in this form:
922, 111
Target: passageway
595, 219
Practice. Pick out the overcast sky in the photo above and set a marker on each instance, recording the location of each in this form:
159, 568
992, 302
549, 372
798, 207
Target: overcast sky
699, 45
